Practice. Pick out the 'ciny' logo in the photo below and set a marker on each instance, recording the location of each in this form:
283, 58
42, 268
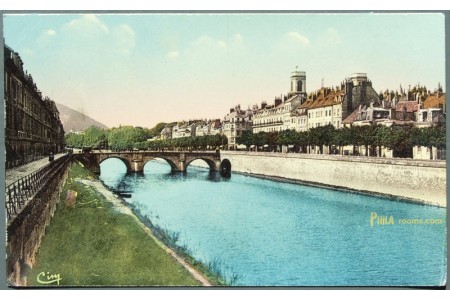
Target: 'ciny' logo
380, 220
44, 278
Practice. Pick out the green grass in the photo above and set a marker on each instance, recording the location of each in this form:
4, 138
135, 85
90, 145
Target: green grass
93, 245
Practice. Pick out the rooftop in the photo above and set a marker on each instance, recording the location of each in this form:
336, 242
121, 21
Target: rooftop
435, 100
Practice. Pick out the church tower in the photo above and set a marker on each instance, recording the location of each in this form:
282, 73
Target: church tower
298, 83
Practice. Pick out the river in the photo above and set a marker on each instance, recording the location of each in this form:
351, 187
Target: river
267, 233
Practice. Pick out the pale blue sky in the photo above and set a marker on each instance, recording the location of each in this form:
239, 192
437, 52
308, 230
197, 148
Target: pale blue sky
133, 69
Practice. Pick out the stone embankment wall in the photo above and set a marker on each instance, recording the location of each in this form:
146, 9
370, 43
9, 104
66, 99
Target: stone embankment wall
26, 230
406, 179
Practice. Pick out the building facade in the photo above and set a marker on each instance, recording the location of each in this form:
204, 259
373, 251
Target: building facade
33, 128
211, 127
323, 107
183, 129
236, 122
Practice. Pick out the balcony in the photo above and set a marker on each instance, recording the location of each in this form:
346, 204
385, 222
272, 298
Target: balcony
267, 124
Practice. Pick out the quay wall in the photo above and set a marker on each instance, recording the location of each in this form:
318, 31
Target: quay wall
403, 179
26, 229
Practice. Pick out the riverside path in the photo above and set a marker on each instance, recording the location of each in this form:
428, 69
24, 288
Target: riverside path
14, 174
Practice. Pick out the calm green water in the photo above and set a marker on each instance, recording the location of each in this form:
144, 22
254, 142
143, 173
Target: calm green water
277, 234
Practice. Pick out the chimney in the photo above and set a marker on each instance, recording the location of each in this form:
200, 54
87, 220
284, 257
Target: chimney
231, 110
278, 101
263, 104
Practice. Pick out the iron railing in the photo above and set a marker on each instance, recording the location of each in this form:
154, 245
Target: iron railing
18, 193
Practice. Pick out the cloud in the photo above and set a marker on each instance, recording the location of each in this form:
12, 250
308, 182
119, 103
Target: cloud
292, 42
50, 32
88, 24
172, 55
237, 38
331, 36
296, 37
209, 43
45, 37
125, 38
96, 37
28, 52
236, 41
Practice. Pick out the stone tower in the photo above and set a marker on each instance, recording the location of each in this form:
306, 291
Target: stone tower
358, 91
298, 83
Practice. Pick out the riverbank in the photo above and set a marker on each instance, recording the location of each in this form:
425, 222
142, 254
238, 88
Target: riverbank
421, 182
100, 242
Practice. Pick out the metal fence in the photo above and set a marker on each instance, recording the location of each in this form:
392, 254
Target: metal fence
18, 193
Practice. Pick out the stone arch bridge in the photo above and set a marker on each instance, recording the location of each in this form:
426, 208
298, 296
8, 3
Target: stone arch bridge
136, 160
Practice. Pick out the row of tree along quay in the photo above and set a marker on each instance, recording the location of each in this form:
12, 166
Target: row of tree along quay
398, 138
127, 138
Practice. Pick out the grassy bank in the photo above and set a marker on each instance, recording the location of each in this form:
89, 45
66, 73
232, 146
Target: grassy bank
92, 244
213, 271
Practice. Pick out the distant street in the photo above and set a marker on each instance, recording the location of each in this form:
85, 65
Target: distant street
14, 174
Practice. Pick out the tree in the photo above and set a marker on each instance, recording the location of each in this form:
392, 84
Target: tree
367, 137
74, 140
399, 140
342, 137
272, 139
302, 140
428, 137
381, 134
260, 139
124, 137
95, 137
320, 136
245, 139
327, 136
156, 130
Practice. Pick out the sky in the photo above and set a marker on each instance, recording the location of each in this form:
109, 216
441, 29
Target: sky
142, 69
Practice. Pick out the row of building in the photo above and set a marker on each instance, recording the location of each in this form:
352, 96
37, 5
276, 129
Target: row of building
33, 128
352, 103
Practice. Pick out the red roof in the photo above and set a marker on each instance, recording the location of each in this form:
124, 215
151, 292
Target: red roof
411, 106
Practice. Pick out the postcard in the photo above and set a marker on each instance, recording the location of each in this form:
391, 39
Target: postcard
220, 149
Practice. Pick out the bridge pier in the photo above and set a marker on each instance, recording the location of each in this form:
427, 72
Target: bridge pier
137, 166
95, 169
218, 164
182, 162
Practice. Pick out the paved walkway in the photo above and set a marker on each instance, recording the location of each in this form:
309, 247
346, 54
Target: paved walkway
16, 173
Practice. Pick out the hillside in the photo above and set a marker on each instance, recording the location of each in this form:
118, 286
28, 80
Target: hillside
74, 120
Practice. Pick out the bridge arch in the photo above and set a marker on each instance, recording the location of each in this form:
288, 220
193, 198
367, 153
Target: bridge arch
225, 167
173, 165
211, 164
124, 160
